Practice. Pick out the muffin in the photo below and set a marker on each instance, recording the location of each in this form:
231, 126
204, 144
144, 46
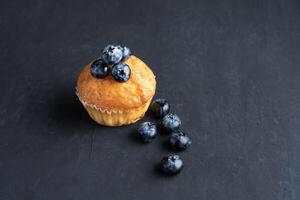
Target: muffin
116, 91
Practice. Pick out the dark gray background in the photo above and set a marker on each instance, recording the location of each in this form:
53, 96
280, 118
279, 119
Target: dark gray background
230, 69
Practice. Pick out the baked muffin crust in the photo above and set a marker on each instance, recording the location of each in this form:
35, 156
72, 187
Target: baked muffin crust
108, 94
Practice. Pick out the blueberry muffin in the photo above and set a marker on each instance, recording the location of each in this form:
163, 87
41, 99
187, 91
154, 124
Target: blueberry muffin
117, 88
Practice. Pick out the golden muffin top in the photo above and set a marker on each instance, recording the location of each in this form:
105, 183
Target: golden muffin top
109, 94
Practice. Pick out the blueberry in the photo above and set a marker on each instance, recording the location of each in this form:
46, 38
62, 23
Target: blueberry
160, 107
171, 164
126, 53
121, 72
179, 140
171, 122
99, 69
147, 131
112, 54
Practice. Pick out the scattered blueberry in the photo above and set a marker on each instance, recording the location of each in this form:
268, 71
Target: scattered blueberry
147, 131
171, 122
126, 53
121, 72
160, 107
99, 69
179, 140
171, 164
112, 54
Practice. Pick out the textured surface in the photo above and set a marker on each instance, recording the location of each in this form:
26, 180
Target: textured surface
229, 68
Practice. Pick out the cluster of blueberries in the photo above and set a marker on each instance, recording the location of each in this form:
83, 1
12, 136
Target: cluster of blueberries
147, 131
111, 61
